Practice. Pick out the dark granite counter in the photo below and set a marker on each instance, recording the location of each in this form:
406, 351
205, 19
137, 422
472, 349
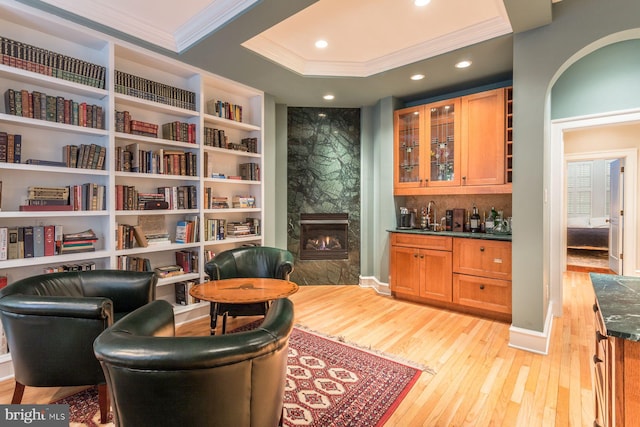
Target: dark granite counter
484, 236
619, 301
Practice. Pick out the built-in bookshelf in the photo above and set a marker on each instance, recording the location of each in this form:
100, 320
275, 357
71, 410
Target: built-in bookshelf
157, 139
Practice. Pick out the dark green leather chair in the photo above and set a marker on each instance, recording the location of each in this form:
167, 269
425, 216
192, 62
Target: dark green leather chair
246, 261
51, 321
158, 379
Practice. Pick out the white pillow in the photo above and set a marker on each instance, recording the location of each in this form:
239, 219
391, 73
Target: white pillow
578, 222
601, 222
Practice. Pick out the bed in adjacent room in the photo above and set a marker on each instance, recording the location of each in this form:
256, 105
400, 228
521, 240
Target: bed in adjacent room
588, 233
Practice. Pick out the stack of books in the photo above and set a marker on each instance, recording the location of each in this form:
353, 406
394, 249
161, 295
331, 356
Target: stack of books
169, 271
83, 241
47, 199
239, 229
214, 202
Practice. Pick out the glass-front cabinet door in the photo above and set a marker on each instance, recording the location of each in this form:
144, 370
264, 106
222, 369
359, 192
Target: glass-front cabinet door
409, 148
426, 148
443, 125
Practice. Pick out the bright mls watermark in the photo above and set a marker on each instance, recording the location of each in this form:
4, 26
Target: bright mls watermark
34, 415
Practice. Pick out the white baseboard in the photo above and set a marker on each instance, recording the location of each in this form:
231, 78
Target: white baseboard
373, 282
533, 341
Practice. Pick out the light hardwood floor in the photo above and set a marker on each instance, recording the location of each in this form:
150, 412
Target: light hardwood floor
479, 380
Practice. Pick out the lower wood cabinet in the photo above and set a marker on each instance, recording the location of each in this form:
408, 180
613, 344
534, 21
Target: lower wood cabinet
616, 368
482, 293
421, 266
471, 275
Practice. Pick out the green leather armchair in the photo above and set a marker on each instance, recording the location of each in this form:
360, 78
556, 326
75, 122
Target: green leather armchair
156, 378
246, 261
51, 321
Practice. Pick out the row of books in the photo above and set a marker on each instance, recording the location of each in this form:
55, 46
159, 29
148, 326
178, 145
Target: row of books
224, 109
182, 292
188, 260
133, 263
42, 240
165, 162
215, 138
249, 171
215, 229
188, 230
83, 266
85, 156
10, 148
84, 197
176, 197
179, 131
132, 85
130, 236
39, 105
42, 61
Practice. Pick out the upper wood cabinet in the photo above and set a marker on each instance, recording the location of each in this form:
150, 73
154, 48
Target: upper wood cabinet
455, 146
483, 141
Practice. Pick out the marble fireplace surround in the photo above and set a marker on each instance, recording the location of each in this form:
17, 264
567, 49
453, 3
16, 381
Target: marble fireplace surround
323, 174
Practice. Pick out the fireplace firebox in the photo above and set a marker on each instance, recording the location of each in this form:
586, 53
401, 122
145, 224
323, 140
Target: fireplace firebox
324, 236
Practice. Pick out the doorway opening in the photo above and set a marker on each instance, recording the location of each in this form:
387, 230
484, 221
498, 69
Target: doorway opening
588, 196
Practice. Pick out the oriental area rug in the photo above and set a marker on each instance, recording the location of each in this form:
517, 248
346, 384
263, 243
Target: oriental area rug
329, 383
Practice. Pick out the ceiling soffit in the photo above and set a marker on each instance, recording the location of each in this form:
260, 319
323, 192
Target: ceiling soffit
392, 35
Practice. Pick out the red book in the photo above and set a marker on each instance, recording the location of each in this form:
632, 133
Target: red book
45, 208
49, 240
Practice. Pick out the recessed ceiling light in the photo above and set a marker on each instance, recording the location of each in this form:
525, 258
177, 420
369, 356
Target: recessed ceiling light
417, 77
421, 2
321, 44
463, 64
328, 97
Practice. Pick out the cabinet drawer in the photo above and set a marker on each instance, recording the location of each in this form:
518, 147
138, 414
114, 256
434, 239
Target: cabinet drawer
438, 243
486, 258
482, 293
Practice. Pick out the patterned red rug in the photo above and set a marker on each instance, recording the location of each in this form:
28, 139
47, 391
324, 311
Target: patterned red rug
329, 383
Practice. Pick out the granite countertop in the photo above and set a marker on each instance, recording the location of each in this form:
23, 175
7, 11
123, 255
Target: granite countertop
619, 301
484, 236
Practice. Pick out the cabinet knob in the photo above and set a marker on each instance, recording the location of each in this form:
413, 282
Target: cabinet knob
415, 255
481, 287
595, 308
596, 359
600, 337
421, 256
464, 178
481, 248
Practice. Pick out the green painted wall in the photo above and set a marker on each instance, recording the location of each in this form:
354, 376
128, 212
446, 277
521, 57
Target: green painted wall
579, 27
378, 213
605, 80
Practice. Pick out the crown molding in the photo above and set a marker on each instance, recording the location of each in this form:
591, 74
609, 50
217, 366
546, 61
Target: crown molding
214, 16
119, 20
218, 13
482, 31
